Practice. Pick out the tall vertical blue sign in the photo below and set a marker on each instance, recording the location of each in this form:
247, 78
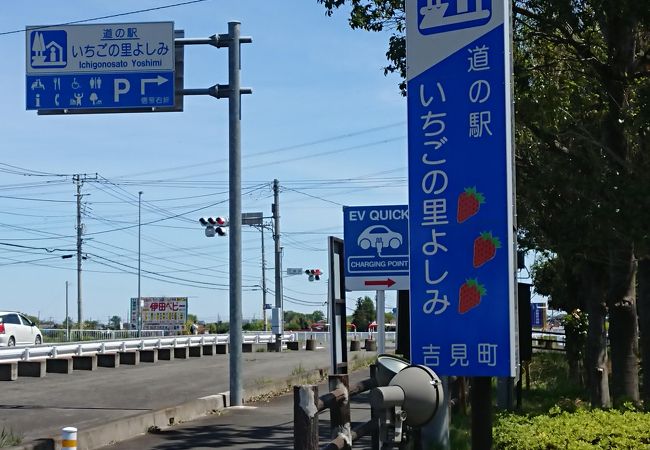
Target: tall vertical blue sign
461, 205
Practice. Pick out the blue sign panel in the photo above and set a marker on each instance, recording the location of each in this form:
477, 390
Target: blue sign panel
89, 67
460, 187
537, 311
108, 90
376, 247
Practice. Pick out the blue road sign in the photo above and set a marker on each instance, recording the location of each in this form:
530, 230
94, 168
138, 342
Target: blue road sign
537, 315
460, 187
376, 247
91, 67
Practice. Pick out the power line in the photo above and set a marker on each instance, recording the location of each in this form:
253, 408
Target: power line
138, 11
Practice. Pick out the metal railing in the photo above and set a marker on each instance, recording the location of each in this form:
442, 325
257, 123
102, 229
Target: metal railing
548, 340
60, 335
324, 336
31, 353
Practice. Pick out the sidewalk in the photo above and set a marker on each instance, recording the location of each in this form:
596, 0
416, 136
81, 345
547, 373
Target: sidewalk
256, 426
114, 404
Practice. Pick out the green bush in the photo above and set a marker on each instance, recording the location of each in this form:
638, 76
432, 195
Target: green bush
555, 416
581, 429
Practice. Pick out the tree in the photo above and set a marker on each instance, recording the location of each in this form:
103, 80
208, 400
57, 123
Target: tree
91, 324
364, 313
317, 316
115, 322
34, 319
254, 325
191, 318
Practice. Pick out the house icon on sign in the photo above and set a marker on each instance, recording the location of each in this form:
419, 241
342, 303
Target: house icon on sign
48, 48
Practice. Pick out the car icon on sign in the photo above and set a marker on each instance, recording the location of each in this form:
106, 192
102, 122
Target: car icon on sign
379, 236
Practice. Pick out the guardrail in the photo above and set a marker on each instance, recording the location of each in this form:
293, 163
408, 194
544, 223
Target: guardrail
59, 334
548, 340
31, 353
324, 336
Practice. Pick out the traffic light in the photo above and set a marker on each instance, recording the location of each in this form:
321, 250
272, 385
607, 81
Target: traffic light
313, 274
214, 225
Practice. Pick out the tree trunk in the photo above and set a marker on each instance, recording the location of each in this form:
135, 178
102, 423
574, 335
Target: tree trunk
597, 372
574, 356
643, 307
623, 327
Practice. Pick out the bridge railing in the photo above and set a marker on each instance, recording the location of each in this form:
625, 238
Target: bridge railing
38, 352
60, 335
324, 336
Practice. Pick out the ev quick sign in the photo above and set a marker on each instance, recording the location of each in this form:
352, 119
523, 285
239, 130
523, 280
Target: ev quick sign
461, 204
100, 66
376, 247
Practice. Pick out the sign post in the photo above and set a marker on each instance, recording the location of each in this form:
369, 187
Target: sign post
376, 254
125, 68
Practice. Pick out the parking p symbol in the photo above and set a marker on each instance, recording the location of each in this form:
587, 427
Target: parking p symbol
120, 86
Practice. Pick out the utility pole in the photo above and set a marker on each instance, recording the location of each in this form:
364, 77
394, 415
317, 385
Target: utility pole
77, 179
232, 92
234, 179
278, 264
263, 281
139, 320
67, 322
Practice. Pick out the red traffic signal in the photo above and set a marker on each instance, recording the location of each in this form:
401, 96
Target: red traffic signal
313, 274
214, 225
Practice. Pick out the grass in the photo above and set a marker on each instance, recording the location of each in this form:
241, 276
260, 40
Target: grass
262, 381
360, 363
298, 371
8, 439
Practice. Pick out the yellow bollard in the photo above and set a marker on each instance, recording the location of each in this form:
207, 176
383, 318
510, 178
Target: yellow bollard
69, 438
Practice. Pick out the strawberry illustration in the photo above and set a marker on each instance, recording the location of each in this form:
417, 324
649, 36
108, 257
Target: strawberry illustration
469, 202
469, 295
485, 247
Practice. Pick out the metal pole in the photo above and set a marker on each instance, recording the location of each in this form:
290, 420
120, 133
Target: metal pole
481, 401
79, 233
234, 122
67, 322
139, 319
263, 280
381, 327
278, 259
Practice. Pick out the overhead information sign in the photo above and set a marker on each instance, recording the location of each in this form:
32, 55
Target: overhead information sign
129, 65
460, 186
376, 247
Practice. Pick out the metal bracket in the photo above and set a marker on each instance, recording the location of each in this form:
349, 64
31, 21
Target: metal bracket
400, 418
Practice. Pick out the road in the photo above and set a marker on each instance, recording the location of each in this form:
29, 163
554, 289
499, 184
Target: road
39, 407
260, 425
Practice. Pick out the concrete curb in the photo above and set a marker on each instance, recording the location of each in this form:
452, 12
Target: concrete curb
132, 426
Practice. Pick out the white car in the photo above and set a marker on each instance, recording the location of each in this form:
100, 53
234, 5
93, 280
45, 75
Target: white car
16, 329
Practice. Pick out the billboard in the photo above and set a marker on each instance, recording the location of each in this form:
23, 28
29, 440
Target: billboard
161, 313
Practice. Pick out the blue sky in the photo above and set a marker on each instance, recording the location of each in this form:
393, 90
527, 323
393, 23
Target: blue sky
322, 119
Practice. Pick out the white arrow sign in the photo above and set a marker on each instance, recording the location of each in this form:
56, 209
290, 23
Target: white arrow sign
159, 80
